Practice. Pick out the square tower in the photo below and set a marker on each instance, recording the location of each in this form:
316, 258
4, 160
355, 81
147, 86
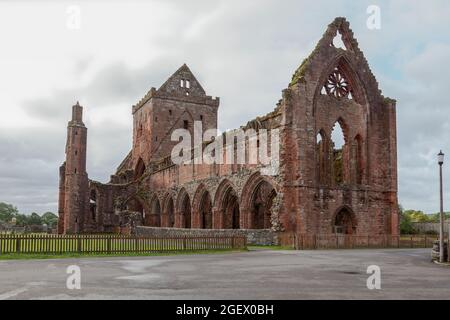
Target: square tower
179, 102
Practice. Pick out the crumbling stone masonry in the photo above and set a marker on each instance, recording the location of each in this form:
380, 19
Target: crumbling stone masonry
318, 188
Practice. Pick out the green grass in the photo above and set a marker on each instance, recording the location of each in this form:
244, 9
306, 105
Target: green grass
21, 256
269, 247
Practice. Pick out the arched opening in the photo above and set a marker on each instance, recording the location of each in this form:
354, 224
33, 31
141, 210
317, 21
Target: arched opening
344, 222
170, 213
205, 211
93, 205
338, 41
339, 149
185, 212
261, 206
231, 214
321, 158
140, 169
227, 203
154, 218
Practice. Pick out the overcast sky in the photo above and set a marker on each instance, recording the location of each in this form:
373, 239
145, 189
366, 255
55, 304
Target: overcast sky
243, 51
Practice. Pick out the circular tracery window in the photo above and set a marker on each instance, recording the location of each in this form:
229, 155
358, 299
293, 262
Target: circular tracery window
337, 85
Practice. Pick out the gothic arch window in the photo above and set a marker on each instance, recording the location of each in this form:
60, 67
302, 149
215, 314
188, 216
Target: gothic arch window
321, 157
339, 153
341, 81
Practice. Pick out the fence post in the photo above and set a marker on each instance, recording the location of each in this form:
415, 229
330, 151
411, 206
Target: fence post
108, 245
232, 242
78, 244
17, 244
412, 244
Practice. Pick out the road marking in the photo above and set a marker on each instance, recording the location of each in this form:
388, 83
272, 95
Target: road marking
13, 293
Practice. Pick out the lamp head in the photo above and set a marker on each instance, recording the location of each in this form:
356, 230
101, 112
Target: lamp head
440, 158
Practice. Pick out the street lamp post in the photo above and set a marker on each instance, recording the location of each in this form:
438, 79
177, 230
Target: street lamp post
441, 229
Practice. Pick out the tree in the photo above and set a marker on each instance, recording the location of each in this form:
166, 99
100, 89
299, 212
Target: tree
418, 216
21, 219
50, 219
7, 212
34, 219
406, 226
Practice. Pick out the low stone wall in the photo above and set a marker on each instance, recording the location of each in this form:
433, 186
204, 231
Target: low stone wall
254, 236
427, 227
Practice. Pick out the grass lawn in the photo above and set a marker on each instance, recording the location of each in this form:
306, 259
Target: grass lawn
24, 256
267, 247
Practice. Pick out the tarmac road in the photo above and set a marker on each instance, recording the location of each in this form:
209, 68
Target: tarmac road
260, 274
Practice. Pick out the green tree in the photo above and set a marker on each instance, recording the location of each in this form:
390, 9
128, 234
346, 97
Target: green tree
21, 219
50, 219
34, 219
7, 212
406, 226
418, 216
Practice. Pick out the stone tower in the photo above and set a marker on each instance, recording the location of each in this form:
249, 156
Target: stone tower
179, 102
74, 183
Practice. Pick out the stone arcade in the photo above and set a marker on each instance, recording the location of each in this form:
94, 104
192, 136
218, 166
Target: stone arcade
318, 189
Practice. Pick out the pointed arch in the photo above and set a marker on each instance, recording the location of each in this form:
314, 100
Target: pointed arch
345, 79
226, 207
258, 196
153, 217
184, 209
136, 204
322, 156
339, 153
202, 208
344, 221
168, 212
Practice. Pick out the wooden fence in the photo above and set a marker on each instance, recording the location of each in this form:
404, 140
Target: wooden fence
343, 241
109, 244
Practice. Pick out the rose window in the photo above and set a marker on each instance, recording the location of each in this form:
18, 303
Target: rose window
336, 85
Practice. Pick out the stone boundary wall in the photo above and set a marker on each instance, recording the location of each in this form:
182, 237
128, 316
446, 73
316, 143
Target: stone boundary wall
423, 227
254, 236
